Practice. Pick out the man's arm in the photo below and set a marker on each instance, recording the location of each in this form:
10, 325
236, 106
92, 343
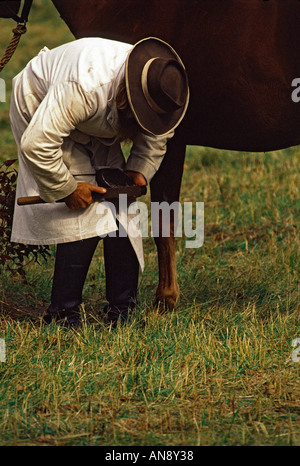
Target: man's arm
146, 155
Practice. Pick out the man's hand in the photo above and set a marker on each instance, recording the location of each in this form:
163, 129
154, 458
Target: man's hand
138, 178
82, 196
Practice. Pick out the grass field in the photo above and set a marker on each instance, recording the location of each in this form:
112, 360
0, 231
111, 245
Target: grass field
218, 370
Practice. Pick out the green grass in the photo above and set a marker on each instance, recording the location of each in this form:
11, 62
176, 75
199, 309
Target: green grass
216, 371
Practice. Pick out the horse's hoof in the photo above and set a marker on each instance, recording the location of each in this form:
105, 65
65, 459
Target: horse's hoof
165, 303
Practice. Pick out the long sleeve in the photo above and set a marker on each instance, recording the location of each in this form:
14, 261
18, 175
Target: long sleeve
147, 153
64, 106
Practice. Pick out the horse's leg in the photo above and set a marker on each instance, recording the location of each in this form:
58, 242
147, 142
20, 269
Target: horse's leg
165, 187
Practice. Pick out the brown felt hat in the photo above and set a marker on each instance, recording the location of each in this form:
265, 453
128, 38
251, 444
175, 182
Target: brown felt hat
157, 86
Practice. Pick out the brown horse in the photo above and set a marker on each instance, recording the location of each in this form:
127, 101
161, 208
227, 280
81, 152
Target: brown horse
241, 57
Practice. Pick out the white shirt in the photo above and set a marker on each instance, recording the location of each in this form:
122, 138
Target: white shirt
64, 119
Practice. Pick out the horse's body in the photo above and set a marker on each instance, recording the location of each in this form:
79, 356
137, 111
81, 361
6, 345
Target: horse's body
241, 57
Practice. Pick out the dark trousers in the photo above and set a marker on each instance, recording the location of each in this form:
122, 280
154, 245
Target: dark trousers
71, 268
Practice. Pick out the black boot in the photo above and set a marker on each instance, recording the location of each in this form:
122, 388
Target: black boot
66, 317
122, 273
71, 267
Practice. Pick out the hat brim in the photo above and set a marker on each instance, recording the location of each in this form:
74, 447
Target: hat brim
151, 122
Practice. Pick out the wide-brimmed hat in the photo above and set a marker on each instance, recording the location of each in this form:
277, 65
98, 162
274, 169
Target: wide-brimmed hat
157, 86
